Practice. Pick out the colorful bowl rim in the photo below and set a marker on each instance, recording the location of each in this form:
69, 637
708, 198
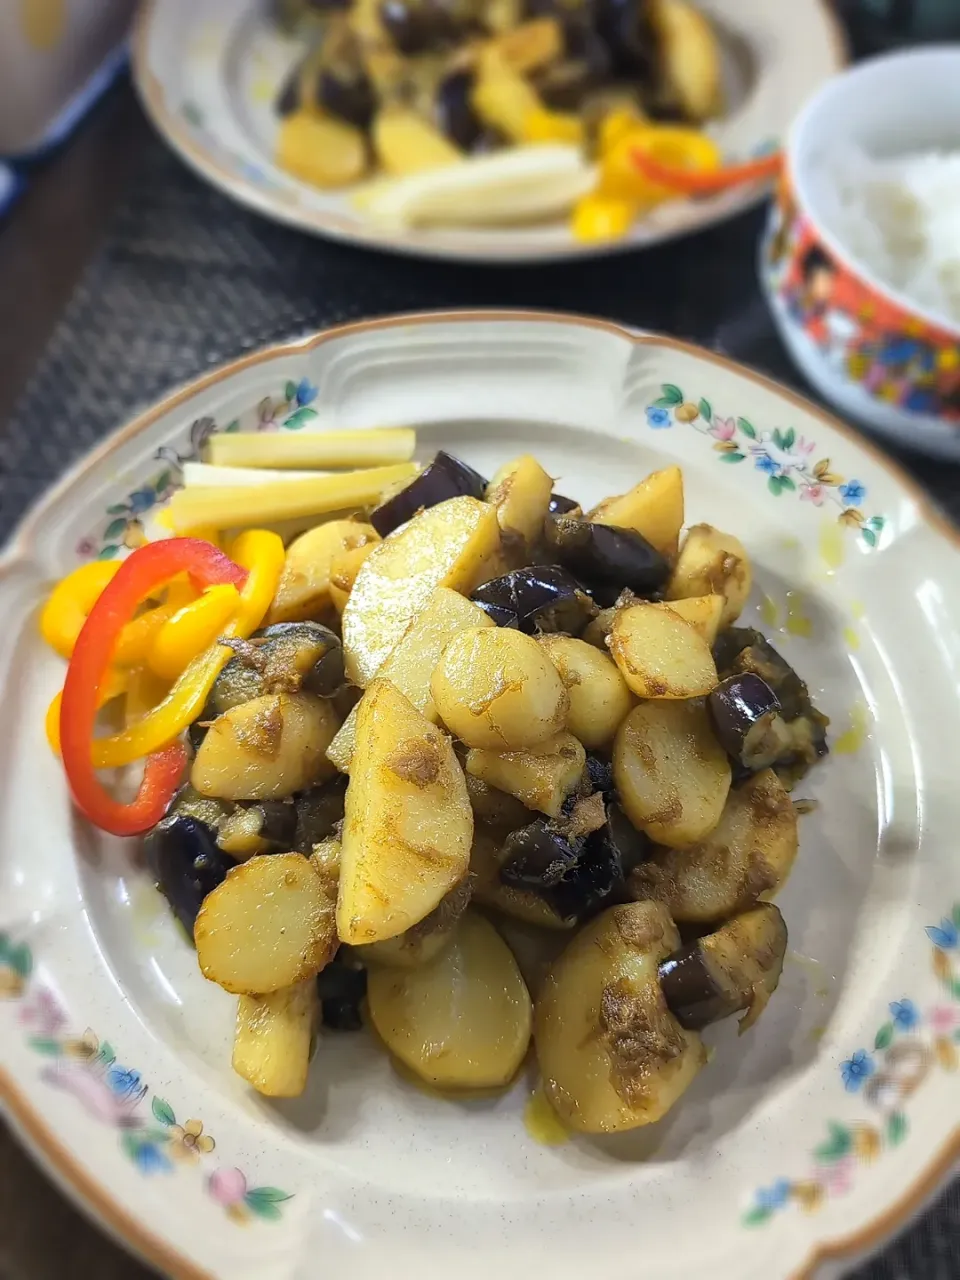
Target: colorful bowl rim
861, 71
69, 1174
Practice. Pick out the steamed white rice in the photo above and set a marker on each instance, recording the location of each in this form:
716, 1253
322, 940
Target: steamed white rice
900, 218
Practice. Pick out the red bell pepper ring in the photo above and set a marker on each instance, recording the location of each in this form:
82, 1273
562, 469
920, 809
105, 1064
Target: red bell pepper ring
705, 182
148, 568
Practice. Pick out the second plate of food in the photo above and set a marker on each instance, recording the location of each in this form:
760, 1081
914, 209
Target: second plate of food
654, 745
483, 132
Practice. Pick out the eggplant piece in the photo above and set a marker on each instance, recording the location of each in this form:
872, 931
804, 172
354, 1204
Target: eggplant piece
267, 827
342, 86
743, 650
600, 774
541, 598
342, 987
186, 864
288, 98
455, 115
427, 26
735, 968
284, 658
607, 559
561, 506
189, 803
445, 477
627, 29
318, 813
747, 720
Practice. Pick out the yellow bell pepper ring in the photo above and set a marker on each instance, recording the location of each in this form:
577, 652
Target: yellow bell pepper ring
70, 601
597, 218
261, 553
671, 146
115, 684
192, 629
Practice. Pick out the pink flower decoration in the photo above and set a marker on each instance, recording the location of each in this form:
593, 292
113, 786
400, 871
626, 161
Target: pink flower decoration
42, 1014
805, 447
942, 1019
814, 493
227, 1186
86, 547
90, 1090
723, 428
837, 1179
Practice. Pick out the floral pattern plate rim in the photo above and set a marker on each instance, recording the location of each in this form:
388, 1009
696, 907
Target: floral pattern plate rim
208, 70
808, 1140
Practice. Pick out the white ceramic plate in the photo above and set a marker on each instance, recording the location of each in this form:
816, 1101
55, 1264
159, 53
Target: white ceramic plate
810, 1137
208, 73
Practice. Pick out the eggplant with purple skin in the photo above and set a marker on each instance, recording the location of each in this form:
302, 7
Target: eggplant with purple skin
445, 477
606, 559
540, 598
735, 968
428, 26
186, 864
747, 721
456, 117
318, 812
342, 986
284, 658
266, 827
561, 506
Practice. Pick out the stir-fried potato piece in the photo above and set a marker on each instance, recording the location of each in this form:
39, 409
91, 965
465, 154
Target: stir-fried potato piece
599, 696
271, 1046
266, 748
541, 779
521, 492
268, 925
660, 655
653, 508
304, 588
712, 562
704, 613
408, 824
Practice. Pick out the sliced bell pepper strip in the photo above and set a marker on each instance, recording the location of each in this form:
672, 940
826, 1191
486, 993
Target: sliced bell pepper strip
74, 596
191, 630
144, 691
113, 686
147, 569
260, 552
705, 181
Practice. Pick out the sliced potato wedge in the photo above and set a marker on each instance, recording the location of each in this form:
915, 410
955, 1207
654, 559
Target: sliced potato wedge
704, 613
268, 925
653, 508
712, 563
410, 665
745, 859
671, 773
344, 568
271, 1046
541, 779
599, 696
496, 689
660, 655
424, 941
462, 1021
266, 748
444, 546
691, 57
406, 142
304, 588
408, 824
613, 1056
521, 492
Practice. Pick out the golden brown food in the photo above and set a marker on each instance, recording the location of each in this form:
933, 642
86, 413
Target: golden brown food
612, 1055
266, 748
462, 1021
271, 1046
269, 925
304, 590
521, 492
711, 562
486, 858
541, 778
659, 654
653, 508
408, 824
745, 859
704, 613
497, 690
445, 546
423, 941
599, 696
671, 773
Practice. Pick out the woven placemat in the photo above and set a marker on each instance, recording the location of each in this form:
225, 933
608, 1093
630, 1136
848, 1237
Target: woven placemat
185, 281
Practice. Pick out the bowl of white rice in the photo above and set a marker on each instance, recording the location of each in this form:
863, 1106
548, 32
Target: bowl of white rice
861, 261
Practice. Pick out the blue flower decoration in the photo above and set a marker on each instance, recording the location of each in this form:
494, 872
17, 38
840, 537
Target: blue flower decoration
857, 1069
141, 500
306, 392
765, 463
124, 1083
904, 1014
944, 934
774, 1196
658, 418
853, 492
150, 1159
